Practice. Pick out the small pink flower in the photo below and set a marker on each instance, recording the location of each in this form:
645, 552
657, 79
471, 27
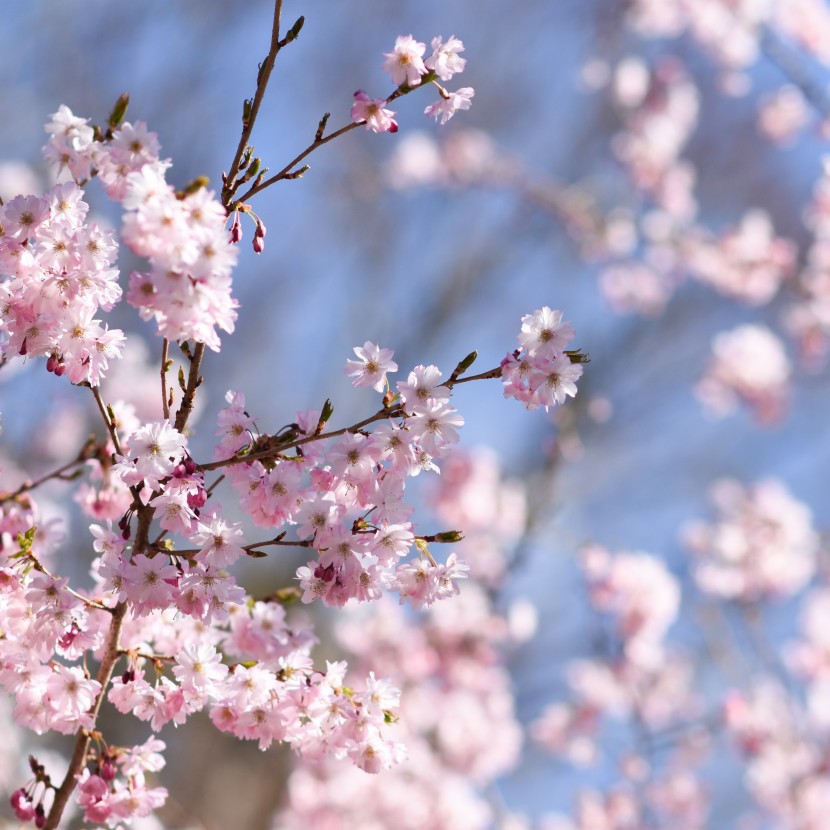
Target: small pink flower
446, 108
371, 368
372, 111
405, 63
445, 61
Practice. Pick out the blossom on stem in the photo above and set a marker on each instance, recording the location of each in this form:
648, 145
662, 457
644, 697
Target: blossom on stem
371, 368
444, 60
155, 450
446, 107
372, 110
405, 63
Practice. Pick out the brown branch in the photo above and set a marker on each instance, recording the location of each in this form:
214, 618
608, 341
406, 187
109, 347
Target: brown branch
248, 123
395, 411
391, 412
107, 421
162, 658
488, 375
289, 543
286, 171
193, 382
189, 553
165, 344
319, 140
209, 491
56, 474
76, 763
90, 603
112, 653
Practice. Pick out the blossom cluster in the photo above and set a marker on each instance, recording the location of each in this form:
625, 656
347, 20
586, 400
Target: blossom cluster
211, 648
183, 235
171, 630
450, 663
408, 69
638, 681
761, 546
541, 372
57, 274
748, 365
211, 645
785, 757
343, 496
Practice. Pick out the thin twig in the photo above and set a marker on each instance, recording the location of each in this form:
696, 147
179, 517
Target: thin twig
285, 172
112, 653
248, 123
209, 491
107, 421
193, 381
489, 375
90, 603
320, 140
165, 658
269, 453
165, 345
389, 412
189, 553
31, 485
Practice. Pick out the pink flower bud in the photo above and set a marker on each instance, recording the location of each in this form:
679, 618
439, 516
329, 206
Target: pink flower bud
236, 229
21, 805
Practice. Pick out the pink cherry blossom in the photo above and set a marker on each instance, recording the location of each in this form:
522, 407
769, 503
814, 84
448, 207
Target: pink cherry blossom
446, 107
371, 367
405, 63
373, 111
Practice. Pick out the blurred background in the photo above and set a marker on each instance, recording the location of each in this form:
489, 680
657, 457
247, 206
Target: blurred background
435, 241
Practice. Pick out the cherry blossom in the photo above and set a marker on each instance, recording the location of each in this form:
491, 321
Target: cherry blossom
405, 63
378, 118
371, 367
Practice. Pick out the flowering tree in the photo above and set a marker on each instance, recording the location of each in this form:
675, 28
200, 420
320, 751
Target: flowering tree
674, 687
166, 623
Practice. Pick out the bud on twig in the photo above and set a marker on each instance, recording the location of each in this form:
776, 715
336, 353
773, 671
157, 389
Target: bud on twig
246, 157
236, 229
325, 415
251, 171
464, 365
119, 111
449, 536
287, 596
321, 127
294, 31
193, 187
298, 174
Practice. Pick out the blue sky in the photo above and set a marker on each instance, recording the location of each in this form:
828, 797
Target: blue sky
348, 259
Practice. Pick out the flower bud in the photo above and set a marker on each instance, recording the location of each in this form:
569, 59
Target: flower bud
236, 229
